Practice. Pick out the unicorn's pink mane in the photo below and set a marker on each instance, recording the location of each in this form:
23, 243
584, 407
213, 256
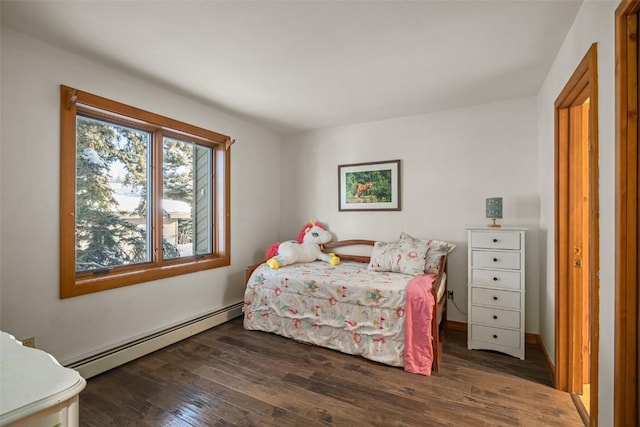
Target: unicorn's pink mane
272, 250
304, 229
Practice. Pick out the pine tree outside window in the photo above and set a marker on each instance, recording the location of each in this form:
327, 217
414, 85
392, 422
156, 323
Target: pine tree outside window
143, 196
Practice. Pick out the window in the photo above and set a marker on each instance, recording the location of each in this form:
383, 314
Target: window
142, 196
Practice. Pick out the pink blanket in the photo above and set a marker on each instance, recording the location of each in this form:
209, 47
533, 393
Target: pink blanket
418, 348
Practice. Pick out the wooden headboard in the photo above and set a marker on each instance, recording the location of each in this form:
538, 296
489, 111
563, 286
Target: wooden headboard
329, 247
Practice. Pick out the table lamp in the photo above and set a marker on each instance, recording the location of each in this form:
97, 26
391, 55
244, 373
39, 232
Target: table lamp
494, 210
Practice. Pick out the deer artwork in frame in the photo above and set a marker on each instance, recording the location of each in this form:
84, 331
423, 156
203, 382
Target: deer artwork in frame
373, 186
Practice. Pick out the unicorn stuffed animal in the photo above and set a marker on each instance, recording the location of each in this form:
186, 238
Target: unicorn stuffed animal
308, 248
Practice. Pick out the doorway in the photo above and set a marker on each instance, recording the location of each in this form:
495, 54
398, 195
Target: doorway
577, 236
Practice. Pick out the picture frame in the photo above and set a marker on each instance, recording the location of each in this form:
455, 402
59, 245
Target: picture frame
373, 186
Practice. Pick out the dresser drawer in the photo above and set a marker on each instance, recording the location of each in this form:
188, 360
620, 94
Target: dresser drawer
495, 317
497, 336
496, 278
495, 240
495, 259
495, 298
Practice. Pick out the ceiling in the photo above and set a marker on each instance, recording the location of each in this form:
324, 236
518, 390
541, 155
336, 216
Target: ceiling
293, 66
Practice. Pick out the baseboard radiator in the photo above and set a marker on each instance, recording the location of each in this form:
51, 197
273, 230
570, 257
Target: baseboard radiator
122, 354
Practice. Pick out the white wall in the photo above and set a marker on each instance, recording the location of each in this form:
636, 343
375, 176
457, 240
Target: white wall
451, 161
31, 74
594, 23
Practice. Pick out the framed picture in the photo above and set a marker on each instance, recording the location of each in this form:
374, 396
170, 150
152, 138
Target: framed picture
371, 186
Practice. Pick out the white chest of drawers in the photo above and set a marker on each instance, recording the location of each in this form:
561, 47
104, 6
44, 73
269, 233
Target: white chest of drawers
35, 391
496, 283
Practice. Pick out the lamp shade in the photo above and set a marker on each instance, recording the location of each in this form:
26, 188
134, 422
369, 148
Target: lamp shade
494, 207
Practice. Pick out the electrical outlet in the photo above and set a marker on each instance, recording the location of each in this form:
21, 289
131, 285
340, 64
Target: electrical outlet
449, 294
29, 342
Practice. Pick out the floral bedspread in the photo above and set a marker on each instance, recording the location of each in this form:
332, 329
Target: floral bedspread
344, 307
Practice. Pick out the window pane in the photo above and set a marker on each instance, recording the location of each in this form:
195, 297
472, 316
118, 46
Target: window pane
186, 204
112, 195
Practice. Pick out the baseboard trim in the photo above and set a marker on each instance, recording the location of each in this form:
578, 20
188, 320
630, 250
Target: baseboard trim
582, 411
531, 338
550, 365
124, 353
456, 326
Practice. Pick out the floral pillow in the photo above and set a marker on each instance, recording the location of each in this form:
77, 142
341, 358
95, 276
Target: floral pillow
383, 256
407, 257
437, 248
412, 257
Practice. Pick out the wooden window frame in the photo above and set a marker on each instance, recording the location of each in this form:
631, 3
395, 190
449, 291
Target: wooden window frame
74, 284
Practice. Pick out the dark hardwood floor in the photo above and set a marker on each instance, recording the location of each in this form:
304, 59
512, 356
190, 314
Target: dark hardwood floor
227, 376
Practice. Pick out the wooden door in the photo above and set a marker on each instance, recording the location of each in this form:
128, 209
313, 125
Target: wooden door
574, 238
577, 196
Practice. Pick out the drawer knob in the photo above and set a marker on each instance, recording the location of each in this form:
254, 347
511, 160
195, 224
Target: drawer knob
495, 337
495, 317
495, 279
495, 240
495, 298
495, 260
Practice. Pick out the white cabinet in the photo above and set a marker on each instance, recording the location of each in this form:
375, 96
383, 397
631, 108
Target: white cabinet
36, 391
496, 290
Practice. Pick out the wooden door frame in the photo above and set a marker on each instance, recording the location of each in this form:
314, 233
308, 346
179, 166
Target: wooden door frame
582, 84
626, 359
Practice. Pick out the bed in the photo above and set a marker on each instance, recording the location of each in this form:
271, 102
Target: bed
389, 317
